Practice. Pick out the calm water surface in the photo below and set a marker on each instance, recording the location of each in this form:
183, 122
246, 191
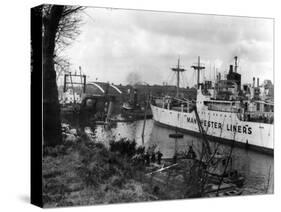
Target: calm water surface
256, 167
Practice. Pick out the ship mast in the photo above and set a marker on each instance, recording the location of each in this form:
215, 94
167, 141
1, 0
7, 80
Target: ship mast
198, 67
178, 70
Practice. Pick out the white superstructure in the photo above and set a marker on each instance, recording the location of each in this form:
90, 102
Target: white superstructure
230, 119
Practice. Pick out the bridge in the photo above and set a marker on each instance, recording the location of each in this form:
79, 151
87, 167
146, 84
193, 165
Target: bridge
102, 88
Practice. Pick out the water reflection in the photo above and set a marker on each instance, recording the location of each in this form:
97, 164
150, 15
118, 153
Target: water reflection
257, 168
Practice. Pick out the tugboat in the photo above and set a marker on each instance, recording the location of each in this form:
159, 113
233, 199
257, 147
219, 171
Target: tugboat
132, 110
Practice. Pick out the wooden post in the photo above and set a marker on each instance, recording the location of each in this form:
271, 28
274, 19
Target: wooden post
84, 87
144, 121
64, 83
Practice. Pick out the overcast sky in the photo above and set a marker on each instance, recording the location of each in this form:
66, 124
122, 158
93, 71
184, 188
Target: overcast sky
115, 43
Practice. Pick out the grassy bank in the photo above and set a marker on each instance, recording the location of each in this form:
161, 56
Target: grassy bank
84, 172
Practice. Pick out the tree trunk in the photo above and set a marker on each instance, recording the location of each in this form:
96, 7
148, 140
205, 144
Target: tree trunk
51, 108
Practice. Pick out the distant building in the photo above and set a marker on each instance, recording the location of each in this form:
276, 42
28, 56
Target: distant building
70, 97
268, 89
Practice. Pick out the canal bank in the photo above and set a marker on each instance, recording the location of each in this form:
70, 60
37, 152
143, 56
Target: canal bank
257, 168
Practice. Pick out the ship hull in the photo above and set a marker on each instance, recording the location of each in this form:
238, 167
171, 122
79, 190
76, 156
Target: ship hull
219, 126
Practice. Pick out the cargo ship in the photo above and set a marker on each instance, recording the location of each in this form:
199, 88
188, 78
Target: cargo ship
228, 112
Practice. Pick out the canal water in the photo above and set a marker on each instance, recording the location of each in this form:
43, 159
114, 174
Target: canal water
257, 168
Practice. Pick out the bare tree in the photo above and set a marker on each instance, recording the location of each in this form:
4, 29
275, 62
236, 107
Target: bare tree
60, 28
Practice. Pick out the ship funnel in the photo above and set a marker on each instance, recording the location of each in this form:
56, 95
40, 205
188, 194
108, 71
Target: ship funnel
254, 80
230, 69
236, 64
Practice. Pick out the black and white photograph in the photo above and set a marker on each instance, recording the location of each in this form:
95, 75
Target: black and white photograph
146, 105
